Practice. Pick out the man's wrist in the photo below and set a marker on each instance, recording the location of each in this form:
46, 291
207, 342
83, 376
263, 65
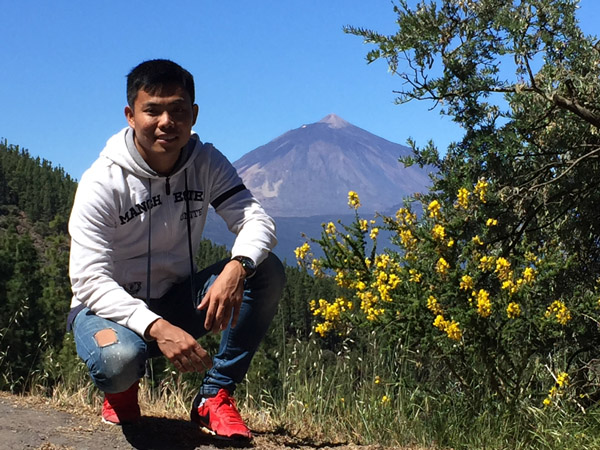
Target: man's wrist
152, 331
248, 265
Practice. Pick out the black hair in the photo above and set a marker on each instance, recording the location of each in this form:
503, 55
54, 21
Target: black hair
154, 75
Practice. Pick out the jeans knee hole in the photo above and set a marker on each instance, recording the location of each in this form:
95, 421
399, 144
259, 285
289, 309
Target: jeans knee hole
106, 337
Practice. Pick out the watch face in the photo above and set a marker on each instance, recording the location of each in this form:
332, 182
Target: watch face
247, 264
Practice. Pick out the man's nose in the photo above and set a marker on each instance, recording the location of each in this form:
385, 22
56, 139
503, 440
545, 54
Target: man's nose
165, 120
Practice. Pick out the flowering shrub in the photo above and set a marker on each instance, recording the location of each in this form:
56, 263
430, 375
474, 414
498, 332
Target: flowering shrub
485, 317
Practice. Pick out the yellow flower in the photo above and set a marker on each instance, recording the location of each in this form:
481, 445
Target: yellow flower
513, 310
323, 328
393, 281
491, 222
484, 304
330, 229
353, 200
382, 261
547, 402
529, 256
442, 266
559, 312
374, 233
407, 239
315, 266
415, 276
451, 243
453, 331
503, 268
385, 400
440, 322
477, 240
341, 280
481, 189
363, 225
451, 328
509, 286
486, 263
405, 217
434, 209
377, 379
466, 283
438, 233
302, 251
562, 380
434, 306
529, 274
462, 198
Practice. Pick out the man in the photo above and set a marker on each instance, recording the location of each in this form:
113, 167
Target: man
135, 227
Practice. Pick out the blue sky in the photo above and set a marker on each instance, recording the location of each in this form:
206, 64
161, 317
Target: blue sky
261, 69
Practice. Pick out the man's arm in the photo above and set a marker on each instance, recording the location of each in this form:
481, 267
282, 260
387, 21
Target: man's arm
92, 228
223, 299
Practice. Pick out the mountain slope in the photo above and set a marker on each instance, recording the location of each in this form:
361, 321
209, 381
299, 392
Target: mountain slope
309, 171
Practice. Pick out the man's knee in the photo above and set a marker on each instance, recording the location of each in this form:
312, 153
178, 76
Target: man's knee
117, 364
272, 268
105, 337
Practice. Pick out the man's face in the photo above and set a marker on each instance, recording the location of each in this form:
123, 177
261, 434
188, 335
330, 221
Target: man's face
163, 123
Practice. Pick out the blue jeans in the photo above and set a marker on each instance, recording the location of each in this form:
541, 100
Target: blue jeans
118, 365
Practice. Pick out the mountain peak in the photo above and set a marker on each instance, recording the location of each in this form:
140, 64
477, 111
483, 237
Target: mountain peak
334, 121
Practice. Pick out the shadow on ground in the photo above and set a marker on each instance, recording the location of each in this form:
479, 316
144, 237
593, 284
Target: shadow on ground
159, 433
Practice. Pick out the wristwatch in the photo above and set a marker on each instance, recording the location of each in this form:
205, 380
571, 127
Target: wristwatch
247, 263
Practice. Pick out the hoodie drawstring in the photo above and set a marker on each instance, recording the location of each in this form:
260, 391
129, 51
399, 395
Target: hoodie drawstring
148, 278
189, 233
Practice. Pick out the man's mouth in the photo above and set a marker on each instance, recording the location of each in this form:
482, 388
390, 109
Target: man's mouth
166, 138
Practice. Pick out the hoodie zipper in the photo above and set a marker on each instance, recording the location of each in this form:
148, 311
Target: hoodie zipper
168, 187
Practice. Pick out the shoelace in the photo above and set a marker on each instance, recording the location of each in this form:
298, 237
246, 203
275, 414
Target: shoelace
226, 406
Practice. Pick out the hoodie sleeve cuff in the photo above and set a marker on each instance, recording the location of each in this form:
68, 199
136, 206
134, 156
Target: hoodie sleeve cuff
140, 320
248, 251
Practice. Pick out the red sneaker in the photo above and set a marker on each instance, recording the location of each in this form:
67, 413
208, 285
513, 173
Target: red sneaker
121, 408
219, 416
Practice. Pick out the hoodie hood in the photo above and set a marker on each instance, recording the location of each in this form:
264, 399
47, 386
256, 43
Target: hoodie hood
121, 150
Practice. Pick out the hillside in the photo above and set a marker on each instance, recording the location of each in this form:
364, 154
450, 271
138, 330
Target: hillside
308, 171
302, 178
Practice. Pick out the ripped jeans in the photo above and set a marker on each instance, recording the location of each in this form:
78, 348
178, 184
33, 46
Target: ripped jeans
120, 361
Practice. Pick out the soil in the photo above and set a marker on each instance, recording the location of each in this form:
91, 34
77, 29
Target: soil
33, 423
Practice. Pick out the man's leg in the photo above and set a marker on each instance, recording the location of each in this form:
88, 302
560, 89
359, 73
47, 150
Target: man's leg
116, 358
262, 293
239, 344
213, 408
114, 355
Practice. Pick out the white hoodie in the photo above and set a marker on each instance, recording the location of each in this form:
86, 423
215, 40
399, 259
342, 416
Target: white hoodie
127, 218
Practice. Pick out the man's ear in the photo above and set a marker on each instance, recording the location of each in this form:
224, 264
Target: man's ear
195, 114
130, 117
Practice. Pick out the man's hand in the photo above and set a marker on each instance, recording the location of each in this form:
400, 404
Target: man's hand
179, 347
224, 298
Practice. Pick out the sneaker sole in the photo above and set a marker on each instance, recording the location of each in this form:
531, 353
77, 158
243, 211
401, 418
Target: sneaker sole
213, 435
119, 424
108, 422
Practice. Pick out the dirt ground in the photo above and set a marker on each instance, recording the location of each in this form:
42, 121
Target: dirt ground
32, 423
